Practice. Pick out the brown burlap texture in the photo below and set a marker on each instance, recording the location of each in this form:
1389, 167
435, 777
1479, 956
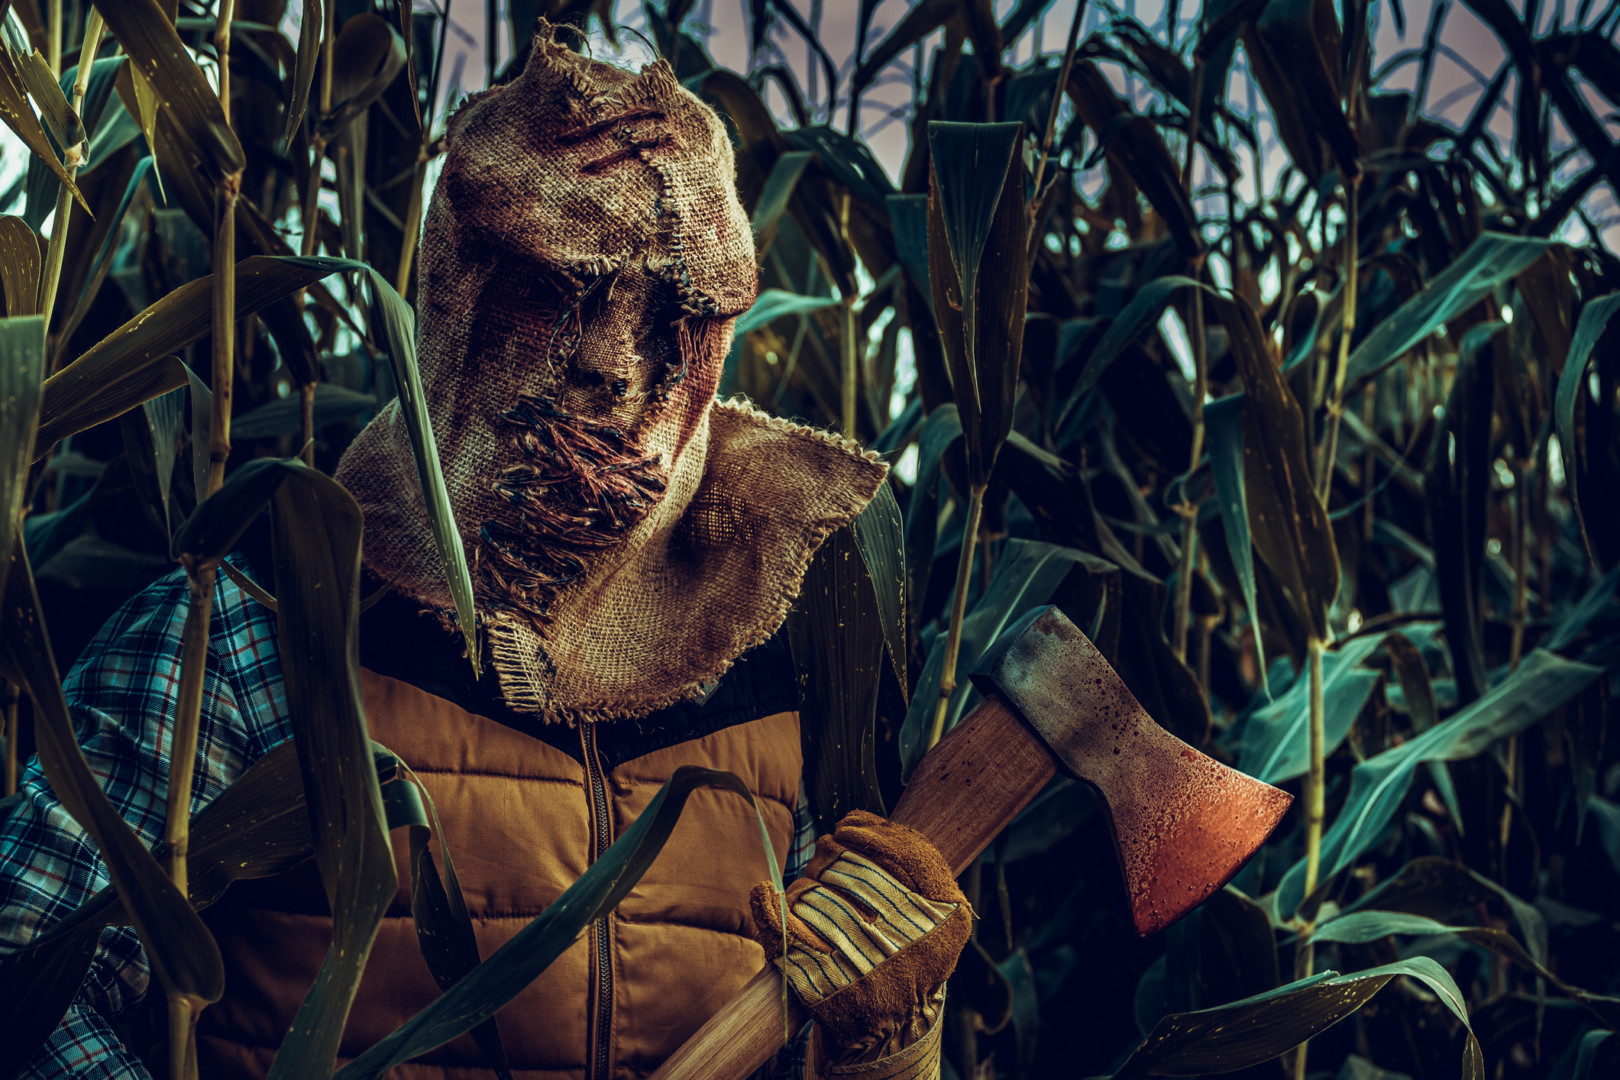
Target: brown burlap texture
582, 262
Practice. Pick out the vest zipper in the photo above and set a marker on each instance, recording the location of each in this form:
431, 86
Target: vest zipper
602, 840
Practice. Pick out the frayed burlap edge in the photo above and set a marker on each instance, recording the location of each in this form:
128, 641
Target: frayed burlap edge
513, 643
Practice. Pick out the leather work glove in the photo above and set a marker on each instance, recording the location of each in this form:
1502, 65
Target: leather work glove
873, 931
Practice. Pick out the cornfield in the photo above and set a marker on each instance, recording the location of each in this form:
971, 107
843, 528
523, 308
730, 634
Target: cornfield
1299, 398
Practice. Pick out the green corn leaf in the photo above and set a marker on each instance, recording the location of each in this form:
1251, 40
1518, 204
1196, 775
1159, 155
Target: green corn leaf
22, 374
1567, 410
444, 928
219, 521
1257, 1029
774, 304
18, 115
367, 55
1307, 34
1490, 262
773, 199
880, 538
1378, 785
514, 965
1288, 525
977, 230
1136, 147
395, 320
151, 444
39, 985
133, 364
1276, 739
1367, 925
1140, 315
836, 631
939, 431
1223, 423
183, 954
1457, 484
180, 88
317, 527
309, 50
284, 416
102, 262
34, 72
1026, 574
19, 267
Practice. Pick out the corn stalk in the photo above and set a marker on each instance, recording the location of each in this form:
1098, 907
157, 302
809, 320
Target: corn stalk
200, 577
953, 638
50, 278
1189, 509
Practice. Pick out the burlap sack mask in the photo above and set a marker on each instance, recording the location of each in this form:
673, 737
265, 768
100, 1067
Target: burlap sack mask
583, 259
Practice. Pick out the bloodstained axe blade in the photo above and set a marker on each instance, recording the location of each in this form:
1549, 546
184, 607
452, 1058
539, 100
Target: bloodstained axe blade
1183, 823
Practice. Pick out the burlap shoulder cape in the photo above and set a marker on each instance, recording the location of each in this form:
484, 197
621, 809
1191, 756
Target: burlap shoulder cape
711, 574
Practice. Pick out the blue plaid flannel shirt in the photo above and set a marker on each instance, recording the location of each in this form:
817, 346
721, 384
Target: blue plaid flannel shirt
122, 694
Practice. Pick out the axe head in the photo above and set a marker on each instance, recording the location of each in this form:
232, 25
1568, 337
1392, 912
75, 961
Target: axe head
1182, 822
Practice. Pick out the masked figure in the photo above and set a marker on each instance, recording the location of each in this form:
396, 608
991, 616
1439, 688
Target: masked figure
634, 547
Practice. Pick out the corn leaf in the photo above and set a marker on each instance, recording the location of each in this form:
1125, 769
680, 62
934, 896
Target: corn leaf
257, 827
836, 631
1456, 484
1223, 423
1378, 785
1135, 146
773, 199
1307, 33
1257, 1029
39, 985
34, 72
880, 537
444, 929
367, 56
1569, 406
977, 236
132, 364
218, 522
22, 373
316, 527
303, 76
1276, 739
1287, 522
1026, 574
19, 267
1489, 262
284, 416
19, 116
1140, 315
179, 86
102, 263
395, 320
1368, 925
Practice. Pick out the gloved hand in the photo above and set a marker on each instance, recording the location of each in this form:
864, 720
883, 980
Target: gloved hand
873, 930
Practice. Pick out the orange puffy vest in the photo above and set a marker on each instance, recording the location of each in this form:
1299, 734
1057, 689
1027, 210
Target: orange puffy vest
523, 819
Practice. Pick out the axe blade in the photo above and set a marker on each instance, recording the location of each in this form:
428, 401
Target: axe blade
1183, 823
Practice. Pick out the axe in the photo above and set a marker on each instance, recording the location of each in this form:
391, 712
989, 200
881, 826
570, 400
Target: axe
1182, 822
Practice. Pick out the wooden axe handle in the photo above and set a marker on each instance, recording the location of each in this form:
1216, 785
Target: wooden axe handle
961, 796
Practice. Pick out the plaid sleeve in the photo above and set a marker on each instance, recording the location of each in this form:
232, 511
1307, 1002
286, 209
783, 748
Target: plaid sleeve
803, 844
123, 697
84, 1047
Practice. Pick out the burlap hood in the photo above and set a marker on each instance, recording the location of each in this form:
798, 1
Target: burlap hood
583, 260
